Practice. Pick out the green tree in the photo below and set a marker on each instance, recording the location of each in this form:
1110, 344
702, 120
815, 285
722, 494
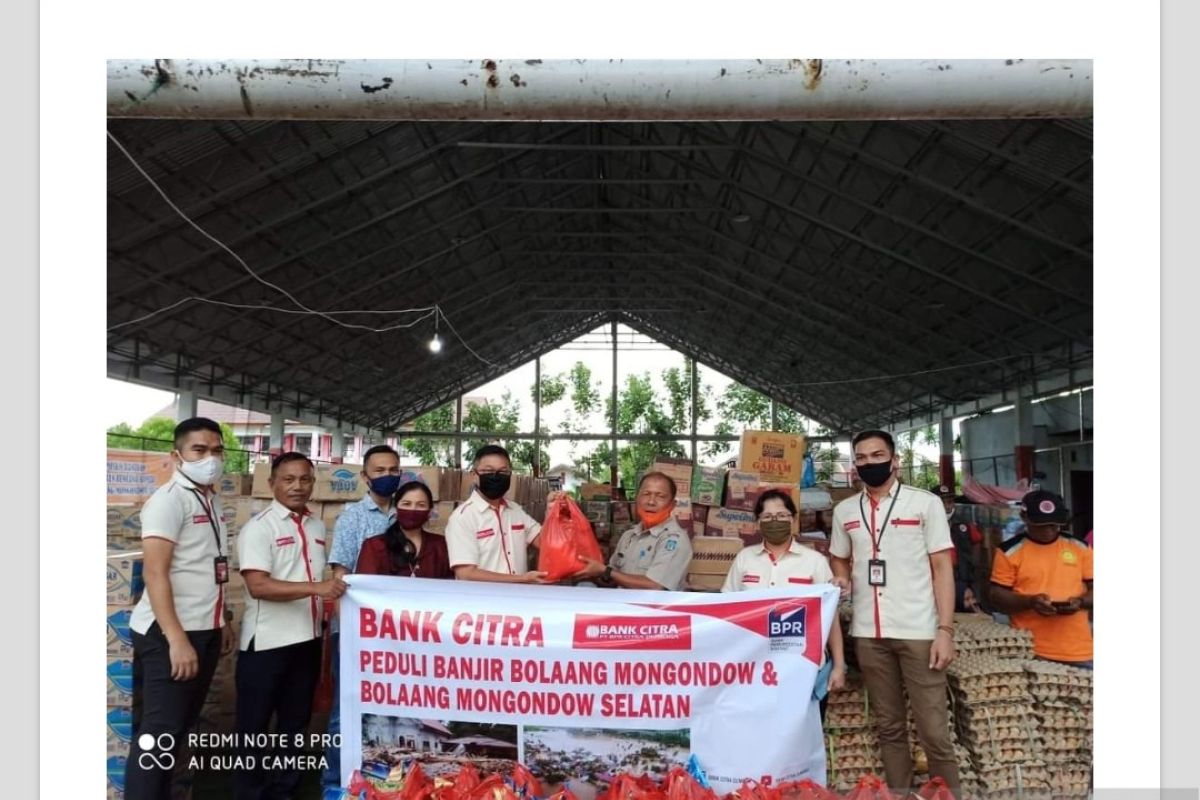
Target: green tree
433, 452
742, 408
157, 435
916, 469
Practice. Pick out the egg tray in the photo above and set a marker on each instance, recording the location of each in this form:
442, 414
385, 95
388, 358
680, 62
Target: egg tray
1070, 696
1053, 668
996, 695
857, 766
1012, 653
846, 722
1064, 719
849, 739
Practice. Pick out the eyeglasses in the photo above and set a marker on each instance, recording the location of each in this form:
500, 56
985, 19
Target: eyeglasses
504, 472
781, 516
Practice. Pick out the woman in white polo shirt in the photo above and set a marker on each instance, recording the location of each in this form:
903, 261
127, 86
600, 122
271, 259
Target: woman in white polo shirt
781, 561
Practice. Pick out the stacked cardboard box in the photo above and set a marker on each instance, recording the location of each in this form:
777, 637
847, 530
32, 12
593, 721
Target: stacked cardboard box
711, 559
125, 587
124, 526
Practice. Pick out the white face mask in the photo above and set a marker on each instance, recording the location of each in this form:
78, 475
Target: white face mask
205, 471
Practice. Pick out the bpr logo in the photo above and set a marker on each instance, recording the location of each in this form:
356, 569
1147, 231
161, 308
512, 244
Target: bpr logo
787, 624
787, 629
149, 760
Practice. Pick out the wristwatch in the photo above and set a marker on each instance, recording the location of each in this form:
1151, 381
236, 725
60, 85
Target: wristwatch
608, 573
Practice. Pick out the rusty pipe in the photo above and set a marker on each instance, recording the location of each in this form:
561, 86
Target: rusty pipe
589, 89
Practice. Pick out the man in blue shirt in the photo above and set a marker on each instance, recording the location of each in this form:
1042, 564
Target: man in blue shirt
368, 517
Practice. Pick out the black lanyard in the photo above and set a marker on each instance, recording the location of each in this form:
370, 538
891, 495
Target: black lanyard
210, 511
882, 528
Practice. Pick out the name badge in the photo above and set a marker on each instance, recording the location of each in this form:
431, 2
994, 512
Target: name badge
221, 569
877, 572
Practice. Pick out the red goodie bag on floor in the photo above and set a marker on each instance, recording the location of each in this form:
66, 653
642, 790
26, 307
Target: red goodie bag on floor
935, 789
805, 790
565, 536
871, 788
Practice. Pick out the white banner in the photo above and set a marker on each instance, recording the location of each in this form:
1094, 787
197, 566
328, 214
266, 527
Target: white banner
580, 683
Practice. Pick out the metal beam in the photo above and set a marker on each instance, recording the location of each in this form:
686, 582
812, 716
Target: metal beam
510, 90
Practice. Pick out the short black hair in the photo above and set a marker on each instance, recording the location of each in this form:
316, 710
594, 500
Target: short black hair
376, 450
887, 437
195, 424
288, 457
661, 476
774, 494
405, 488
491, 450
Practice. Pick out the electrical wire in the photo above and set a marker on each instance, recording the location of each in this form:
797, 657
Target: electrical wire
426, 311
328, 315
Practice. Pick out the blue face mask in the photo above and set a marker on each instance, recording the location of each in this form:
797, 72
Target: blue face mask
384, 485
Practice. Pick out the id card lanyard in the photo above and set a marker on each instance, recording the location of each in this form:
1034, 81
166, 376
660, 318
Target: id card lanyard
877, 567
220, 563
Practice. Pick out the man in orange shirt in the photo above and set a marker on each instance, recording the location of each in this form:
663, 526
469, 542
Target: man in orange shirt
1043, 580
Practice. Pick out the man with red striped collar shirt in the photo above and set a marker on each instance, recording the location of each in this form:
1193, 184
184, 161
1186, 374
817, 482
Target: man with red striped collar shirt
281, 555
180, 626
893, 545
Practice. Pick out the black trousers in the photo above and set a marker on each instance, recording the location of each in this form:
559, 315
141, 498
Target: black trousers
275, 683
164, 709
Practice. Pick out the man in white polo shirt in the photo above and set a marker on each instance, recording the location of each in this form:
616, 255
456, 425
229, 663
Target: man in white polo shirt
894, 545
180, 627
281, 555
488, 536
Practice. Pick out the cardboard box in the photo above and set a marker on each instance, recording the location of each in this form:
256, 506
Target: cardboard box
705, 583
235, 485
133, 475
120, 682
679, 470
699, 519
730, 523
339, 482
330, 513
124, 520
776, 457
430, 476
120, 640
708, 485
683, 512
595, 491
120, 731
259, 483
840, 493
449, 483
739, 489
125, 582
713, 557
597, 511
623, 513
439, 516
116, 777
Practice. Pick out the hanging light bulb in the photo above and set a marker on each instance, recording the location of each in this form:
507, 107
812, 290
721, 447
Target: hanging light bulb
435, 344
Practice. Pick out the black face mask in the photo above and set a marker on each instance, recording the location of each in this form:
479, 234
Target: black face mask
875, 475
493, 486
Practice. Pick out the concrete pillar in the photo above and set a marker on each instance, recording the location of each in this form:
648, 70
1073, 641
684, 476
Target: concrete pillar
1023, 419
186, 404
946, 457
338, 446
276, 434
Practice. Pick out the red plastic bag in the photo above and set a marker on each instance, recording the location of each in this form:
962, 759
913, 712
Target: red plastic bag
935, 789
682, 786
417, 785
805, 790
871, 787
627, 787
565, 536
755, 790
525, 784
